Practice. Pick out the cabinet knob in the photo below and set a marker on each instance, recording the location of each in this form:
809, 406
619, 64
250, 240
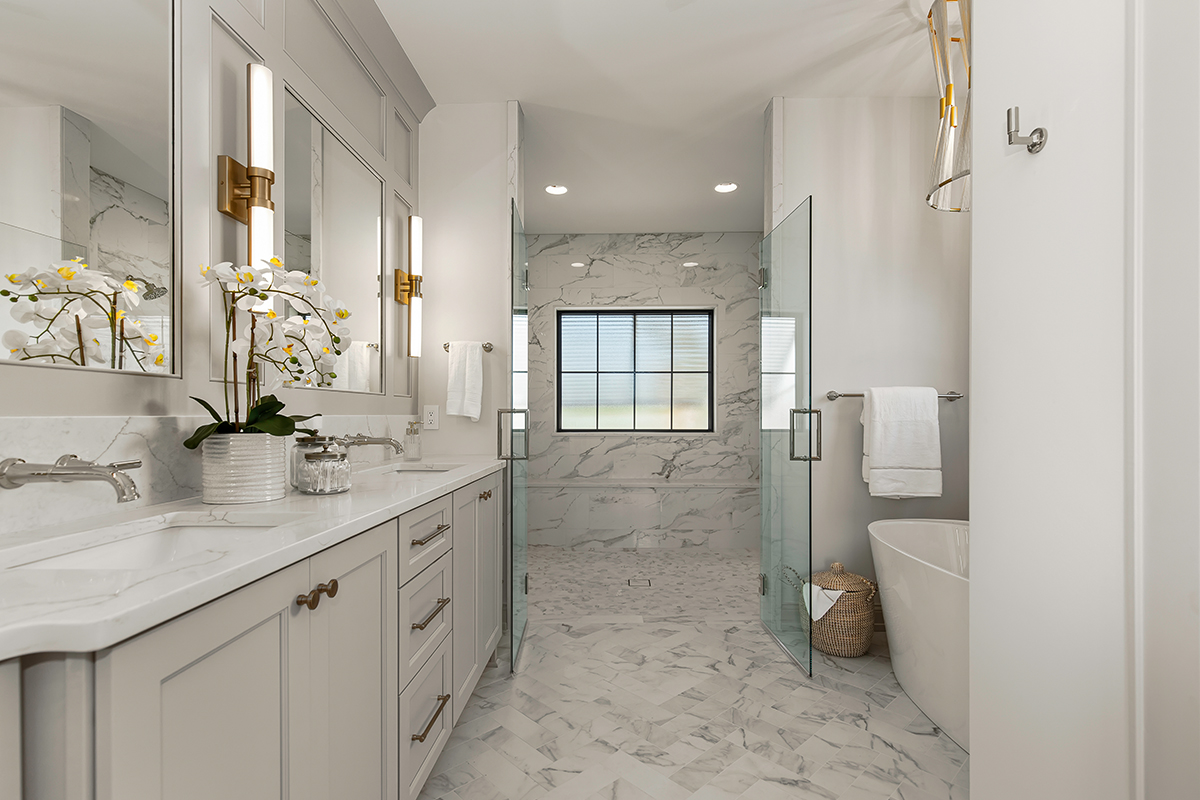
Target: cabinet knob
330, 588
311, 600
483, 495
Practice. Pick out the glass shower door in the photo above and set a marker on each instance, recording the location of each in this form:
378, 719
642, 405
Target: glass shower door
790, 431
517, 445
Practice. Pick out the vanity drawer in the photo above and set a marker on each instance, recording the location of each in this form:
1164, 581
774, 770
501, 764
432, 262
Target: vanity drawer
424, 536
426, 710
425, 601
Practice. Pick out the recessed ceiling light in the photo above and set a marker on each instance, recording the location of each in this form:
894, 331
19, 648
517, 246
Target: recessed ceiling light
554, 188
578, 264
691, 263
720, 187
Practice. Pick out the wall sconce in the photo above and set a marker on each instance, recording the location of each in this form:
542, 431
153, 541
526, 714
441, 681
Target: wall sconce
950, 177
408, 285
244, 192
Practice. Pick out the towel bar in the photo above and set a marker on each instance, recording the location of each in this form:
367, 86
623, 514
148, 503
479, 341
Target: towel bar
951, 396
487, 347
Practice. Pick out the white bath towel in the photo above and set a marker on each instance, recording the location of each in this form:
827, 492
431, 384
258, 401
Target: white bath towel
818, 601
464, 388
902, 448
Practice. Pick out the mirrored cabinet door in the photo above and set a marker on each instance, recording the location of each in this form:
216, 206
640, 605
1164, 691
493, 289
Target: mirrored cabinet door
333, 231
86, 235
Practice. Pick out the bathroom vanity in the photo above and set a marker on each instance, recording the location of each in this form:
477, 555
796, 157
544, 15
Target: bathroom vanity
310, 647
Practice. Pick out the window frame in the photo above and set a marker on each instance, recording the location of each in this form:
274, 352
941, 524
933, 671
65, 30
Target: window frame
708, 312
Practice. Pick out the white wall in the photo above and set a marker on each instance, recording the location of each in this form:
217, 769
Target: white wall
1050, 675
1166, 264
464, 202
889, 291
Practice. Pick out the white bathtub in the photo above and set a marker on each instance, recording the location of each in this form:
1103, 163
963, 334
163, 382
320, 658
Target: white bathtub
923, 566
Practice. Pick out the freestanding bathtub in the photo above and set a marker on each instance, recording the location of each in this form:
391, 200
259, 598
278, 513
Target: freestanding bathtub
923, 567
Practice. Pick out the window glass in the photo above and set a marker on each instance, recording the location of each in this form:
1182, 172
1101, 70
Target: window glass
635, 370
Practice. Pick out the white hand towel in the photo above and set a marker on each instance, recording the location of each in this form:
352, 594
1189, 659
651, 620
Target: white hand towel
818, 601
902, 449
464, 389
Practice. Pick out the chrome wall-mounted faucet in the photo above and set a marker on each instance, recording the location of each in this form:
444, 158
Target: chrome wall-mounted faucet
15, 473
360, 439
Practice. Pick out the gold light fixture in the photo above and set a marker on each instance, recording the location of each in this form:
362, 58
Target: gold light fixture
408, 285
244, 192
950, 39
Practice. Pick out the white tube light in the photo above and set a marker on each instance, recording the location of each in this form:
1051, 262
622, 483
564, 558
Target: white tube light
262, 117
416, 245
416, 267
414, 327
260, 93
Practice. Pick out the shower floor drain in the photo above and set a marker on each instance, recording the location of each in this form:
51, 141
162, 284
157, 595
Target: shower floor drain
642, 582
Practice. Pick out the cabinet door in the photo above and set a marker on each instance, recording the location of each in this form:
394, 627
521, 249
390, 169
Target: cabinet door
491, 567
467, 666
204, 706
10, 729
353, 668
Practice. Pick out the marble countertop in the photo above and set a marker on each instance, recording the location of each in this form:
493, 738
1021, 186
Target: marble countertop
82, 610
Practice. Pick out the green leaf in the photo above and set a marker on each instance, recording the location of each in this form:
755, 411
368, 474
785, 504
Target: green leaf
276, 426
302, 417
265, 407
202, 433
211, 410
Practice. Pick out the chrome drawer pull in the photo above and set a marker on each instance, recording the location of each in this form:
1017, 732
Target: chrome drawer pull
440, 530
420, 737
442, 603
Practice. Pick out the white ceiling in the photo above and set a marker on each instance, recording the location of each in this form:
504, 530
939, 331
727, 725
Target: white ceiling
640, 107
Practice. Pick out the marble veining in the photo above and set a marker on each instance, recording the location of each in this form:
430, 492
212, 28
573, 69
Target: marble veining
169, 471
658, 490
675, 692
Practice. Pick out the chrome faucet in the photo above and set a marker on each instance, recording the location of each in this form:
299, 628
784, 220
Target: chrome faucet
360, 439
15, 473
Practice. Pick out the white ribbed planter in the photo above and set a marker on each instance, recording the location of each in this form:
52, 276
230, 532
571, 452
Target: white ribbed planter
244, 467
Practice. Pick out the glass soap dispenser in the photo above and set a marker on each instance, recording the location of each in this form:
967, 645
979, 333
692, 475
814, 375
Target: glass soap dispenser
412, 442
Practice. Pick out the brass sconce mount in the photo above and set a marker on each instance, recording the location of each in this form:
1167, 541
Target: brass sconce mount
239, 188
407, 286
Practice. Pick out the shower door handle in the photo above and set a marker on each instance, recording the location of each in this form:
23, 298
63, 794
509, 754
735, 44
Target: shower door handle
812, 412
500, 434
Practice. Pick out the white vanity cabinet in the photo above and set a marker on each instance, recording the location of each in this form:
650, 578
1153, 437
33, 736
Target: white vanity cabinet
477, 580
258, 695
10, 729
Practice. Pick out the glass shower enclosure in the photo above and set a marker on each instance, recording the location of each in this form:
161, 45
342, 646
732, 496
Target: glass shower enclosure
513, 442
790, 431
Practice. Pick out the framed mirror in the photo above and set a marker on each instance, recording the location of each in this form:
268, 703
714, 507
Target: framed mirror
86, 228
332, 222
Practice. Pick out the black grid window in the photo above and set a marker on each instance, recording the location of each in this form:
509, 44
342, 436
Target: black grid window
635, 371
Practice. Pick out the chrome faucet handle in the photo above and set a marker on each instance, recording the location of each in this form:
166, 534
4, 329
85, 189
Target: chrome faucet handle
123, 465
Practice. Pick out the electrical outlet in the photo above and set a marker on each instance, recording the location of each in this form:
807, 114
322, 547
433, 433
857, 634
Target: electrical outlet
431, 418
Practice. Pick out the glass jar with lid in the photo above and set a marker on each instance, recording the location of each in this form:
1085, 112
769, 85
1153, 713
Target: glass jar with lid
325, 471
312, 444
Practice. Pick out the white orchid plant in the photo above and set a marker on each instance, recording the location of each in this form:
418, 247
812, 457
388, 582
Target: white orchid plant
266, 350
68, 306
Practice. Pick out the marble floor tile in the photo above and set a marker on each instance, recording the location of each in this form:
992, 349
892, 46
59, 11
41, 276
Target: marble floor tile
676, 692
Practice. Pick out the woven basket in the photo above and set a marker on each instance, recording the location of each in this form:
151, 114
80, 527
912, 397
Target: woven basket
847, 628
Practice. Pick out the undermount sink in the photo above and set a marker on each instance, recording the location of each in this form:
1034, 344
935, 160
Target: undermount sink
178, 538
418, 467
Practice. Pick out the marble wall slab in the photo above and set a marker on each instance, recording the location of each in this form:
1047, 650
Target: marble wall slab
169, 471
593, 491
